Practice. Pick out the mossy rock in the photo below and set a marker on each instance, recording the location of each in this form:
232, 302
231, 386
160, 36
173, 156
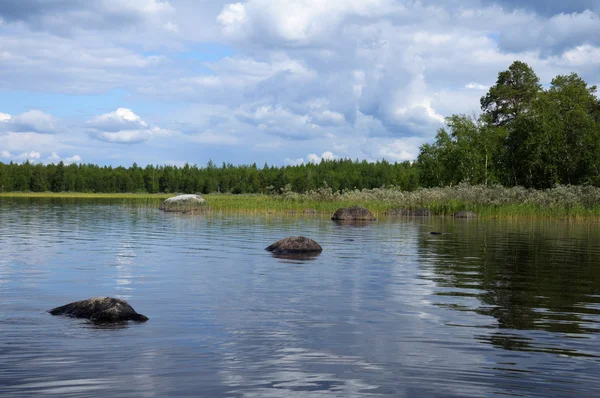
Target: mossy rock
184, 204
100, 309
295, 245
355, 213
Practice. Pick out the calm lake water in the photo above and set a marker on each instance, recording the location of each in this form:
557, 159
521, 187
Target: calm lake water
493, 308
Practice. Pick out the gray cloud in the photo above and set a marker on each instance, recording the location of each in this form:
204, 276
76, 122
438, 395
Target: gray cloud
65, 16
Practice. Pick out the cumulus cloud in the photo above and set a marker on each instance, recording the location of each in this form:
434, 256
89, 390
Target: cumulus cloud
32, 156
123, 127
55, 159
552, 35
582, 55
32, 121
311, 158
278, 120
35, 157
295, 22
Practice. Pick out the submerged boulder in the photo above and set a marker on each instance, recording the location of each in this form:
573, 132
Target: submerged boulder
184, 203
100, 309
409, 212
464, 214
295, 245
355, 213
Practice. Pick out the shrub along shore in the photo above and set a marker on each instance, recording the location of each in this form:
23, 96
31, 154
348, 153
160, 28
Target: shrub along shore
487, 201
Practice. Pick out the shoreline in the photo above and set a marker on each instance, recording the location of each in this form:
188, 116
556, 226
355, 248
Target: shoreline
281, 205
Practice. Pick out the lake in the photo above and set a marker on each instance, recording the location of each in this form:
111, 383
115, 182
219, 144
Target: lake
492, 308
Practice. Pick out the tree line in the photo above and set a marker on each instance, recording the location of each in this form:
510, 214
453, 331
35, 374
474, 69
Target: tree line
337, 174
526, 135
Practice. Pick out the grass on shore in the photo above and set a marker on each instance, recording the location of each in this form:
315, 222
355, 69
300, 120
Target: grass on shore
580, 202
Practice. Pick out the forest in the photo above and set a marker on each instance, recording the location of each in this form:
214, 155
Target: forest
526, 135
336, 174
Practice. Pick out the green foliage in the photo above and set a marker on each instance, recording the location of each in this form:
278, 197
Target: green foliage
526, 136
337, 174
512, 95
469, 152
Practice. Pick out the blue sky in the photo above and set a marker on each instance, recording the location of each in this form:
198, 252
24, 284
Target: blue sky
283, 82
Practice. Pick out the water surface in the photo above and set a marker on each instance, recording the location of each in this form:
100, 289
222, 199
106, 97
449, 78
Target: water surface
491, 308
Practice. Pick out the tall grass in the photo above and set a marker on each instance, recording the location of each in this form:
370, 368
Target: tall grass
487, 201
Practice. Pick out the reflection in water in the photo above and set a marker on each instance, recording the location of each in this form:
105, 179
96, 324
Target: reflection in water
353, 223
492, 308
541, 277
296, 257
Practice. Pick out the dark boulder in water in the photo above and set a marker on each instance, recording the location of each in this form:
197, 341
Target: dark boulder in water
295, 245
464, 214
100, 309
355, 213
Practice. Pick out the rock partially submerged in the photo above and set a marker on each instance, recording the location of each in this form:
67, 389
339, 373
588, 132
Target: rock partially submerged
409, 212
464, 214
355, 213
295, 245
184, 204
100, 309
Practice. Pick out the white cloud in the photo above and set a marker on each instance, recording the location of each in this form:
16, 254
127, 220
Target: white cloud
123, 127
55, 159
32, 156
582, 55
73, 159
33, 121
476, 86
293, 162
295, 22
35, 156
311, 158
314, 158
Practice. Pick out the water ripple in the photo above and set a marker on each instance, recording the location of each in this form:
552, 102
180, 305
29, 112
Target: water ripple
492, 308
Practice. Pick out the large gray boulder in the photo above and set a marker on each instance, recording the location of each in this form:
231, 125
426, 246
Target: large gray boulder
295, 245
355, 213
100, 309
464, 214
184, 204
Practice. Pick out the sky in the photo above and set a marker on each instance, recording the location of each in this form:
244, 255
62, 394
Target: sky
285, 82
